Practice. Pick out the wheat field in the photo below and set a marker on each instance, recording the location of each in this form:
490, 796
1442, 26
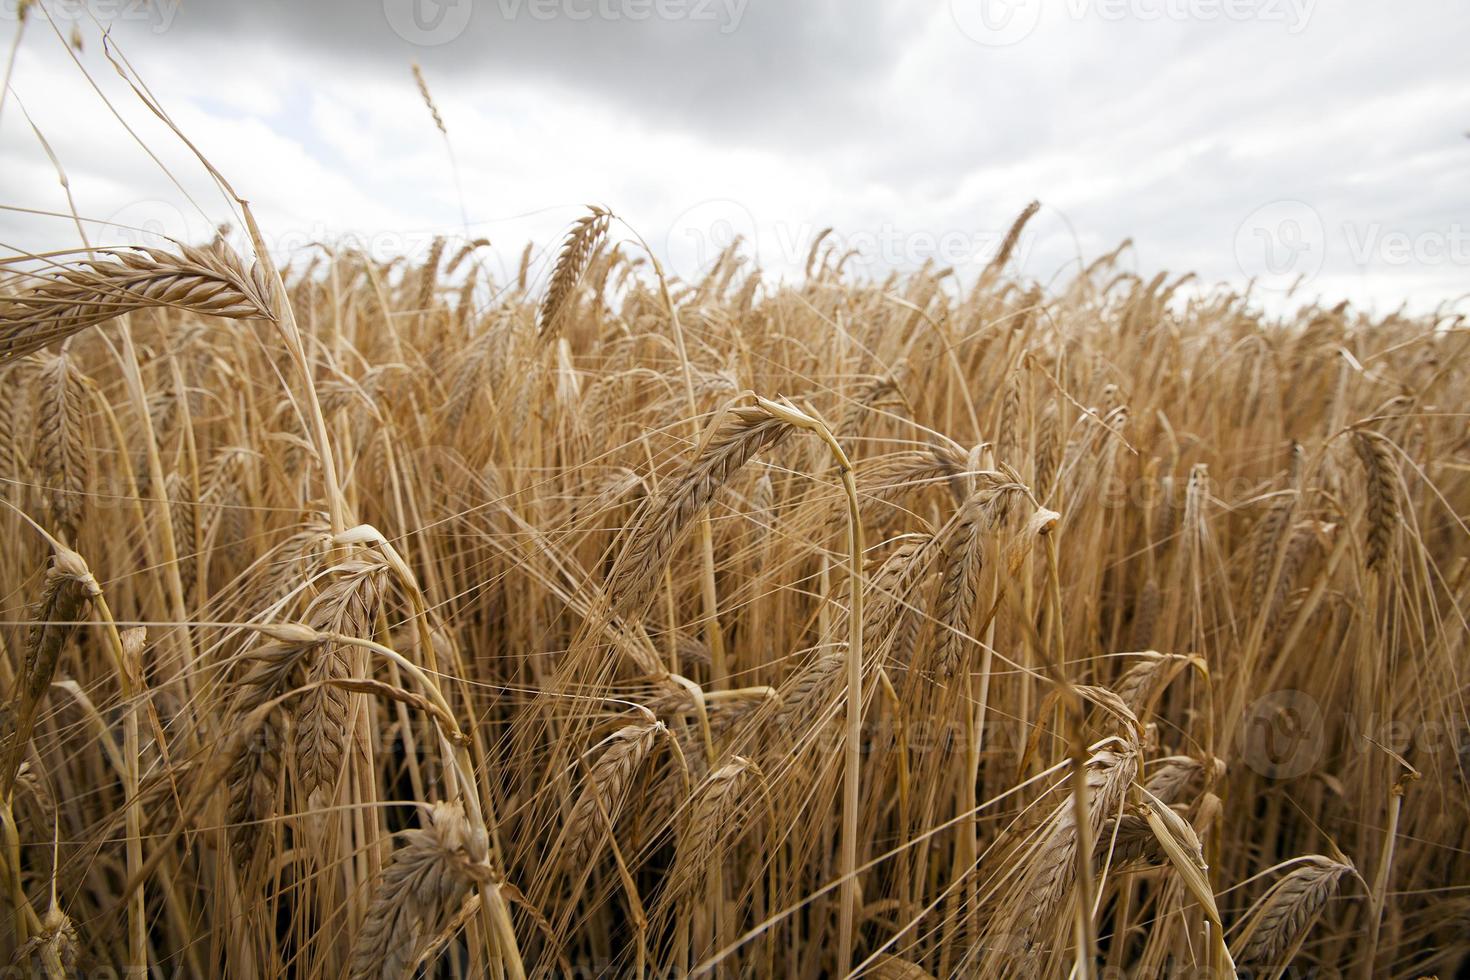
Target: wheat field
383, 619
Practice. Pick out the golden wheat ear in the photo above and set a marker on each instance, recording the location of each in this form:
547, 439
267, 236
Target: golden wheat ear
66, 301
1278, 923
597, 808
1381, 474
424, 883
576, 251
744, 432
65, 594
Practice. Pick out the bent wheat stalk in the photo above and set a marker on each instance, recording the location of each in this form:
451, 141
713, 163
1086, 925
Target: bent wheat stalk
852, 761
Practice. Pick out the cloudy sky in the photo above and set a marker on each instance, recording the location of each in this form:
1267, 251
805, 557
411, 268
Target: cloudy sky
1320, 140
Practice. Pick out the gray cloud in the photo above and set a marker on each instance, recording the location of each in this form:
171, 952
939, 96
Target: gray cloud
736, 68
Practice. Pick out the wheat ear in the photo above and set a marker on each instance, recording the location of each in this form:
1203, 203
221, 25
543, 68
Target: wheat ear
253, 776
207, 281
61, 441
744, 432
896, 968
712, 818
1279, 921
607, 788
429, 274
1053, 865
55, 949
809, 692
1273, 527
1008, 244
427, 877
576, 252
346, 607
1383, 497
891, 607
423, 86
65, 593
959, 586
